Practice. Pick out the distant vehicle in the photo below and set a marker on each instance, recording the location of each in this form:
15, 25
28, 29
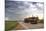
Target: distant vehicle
32, 20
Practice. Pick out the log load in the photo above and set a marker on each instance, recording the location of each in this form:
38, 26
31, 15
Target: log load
32, 20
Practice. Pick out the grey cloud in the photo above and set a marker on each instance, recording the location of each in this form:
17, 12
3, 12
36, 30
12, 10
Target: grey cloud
20, 9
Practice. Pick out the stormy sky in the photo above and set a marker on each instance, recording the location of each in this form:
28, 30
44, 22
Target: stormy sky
18, 10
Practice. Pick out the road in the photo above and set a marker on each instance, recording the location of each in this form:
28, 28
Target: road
31, 26
25, 26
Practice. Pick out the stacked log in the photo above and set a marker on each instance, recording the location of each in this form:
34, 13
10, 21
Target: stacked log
32, 20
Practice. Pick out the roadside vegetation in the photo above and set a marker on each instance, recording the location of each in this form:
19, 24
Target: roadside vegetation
9, 25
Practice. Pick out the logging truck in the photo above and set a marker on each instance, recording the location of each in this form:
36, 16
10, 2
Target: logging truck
32, 20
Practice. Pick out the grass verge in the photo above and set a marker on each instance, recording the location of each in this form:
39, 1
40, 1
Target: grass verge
9, 25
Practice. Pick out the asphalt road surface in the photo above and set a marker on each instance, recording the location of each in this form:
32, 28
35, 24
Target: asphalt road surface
31, 26
25, 26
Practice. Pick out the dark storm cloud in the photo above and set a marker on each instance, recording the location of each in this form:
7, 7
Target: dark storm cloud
13, 9
16, 4
20, 9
